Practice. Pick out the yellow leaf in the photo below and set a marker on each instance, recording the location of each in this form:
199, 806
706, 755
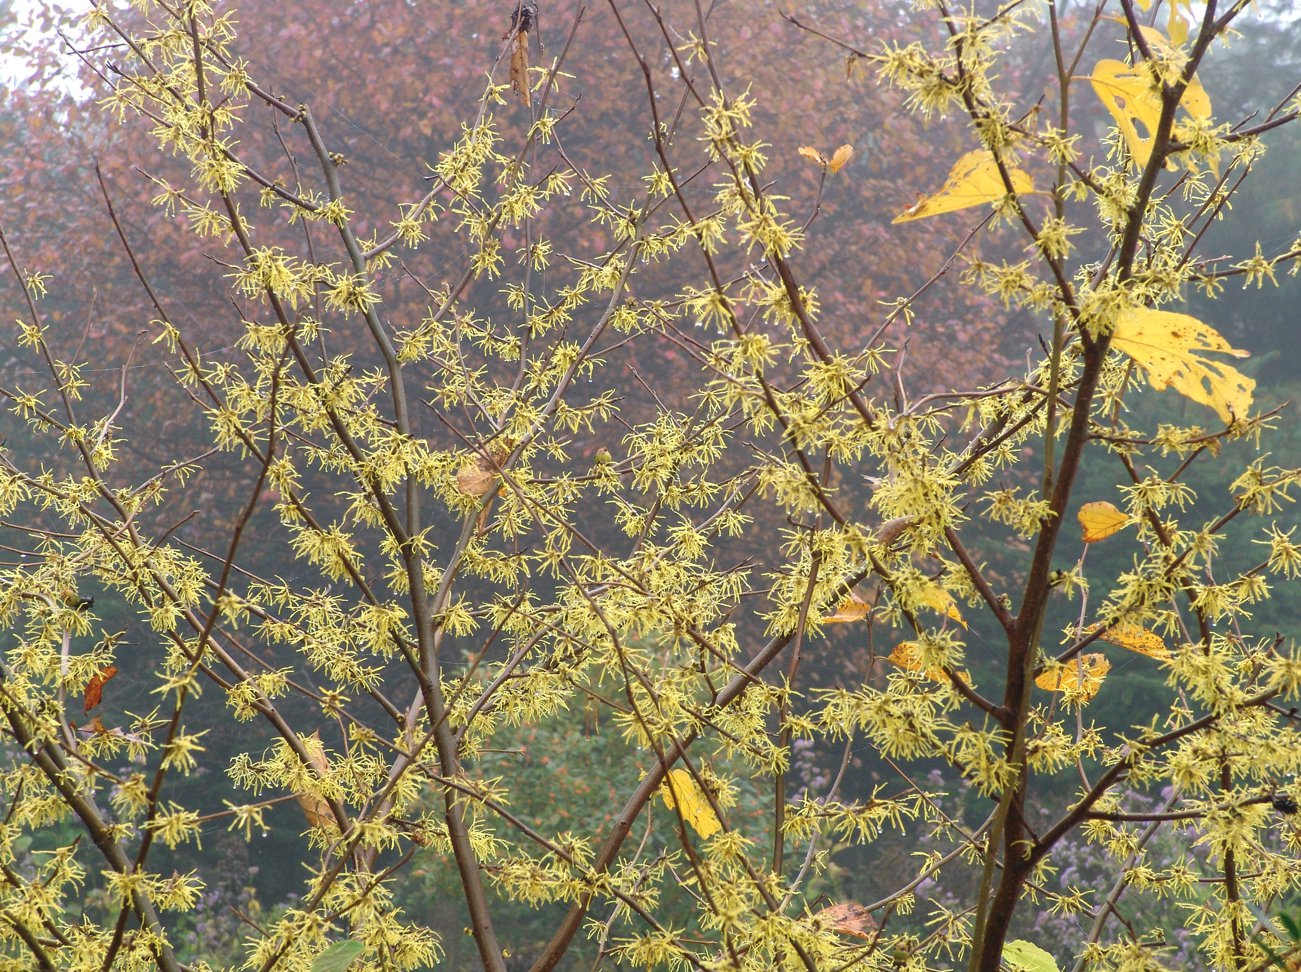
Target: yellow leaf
907, 655
1134, 99
852, 608
1083, 675
1178, 24
1171, 349
1136, 638
938, 599
839, 159
681, 790
1100, 520
1157, 42
973, 180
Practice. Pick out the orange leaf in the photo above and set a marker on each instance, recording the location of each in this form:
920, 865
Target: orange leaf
833, 164
839, 159
1100, 520
519, 68
95, 687
1136, 638
848, 918
1083, 674
813, 155
852, 608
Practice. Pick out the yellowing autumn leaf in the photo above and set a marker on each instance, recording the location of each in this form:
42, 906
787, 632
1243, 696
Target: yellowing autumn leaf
908, 656
833, 164
938, 599
680, 790
1134, 100
852, 608
1100, 520
1178, 23
1136, 638
1083, 674
1172, 349
973, 180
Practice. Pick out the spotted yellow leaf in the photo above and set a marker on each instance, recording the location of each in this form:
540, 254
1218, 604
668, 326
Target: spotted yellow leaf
1136, 638
1082, 675
938, 599
852, 608
680, 790
1133, 96
973, 180
1100, 520
908, 656
1172, 349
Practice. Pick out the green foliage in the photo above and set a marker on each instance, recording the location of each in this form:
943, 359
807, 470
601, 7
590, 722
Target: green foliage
338, 957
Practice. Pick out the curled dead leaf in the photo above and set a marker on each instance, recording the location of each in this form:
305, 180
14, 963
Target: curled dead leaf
519, 67
813, 155
1082, 675
315, 808
890, 531
852, 608
848, 918
95, 687
1135, 637
478, 477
